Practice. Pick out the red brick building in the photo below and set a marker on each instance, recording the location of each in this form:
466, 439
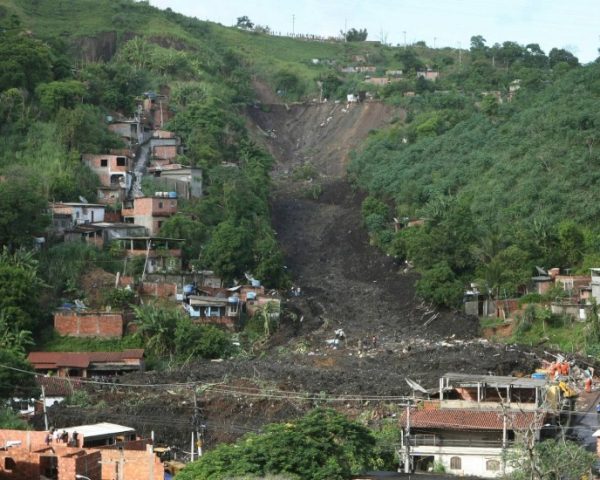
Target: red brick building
150, 212
27, 456
76, 323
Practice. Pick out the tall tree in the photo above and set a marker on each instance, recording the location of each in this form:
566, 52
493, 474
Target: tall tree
22, 209
323, 445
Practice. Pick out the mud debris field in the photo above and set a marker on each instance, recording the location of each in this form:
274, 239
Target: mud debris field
344, 282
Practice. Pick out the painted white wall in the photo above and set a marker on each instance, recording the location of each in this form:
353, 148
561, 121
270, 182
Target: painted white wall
473, 459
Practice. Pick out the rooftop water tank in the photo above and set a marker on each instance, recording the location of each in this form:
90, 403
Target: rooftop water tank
172, 194
255, 283
251, 295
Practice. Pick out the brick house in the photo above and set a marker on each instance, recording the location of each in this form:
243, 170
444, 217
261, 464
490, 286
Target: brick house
150, 211
112, 170
86, 364
26, 455
57, 462
90, 323
130, 131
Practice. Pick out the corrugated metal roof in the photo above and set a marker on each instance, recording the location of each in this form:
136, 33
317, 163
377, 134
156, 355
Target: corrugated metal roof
99, 430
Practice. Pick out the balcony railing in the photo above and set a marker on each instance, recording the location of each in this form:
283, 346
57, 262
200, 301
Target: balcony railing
422, 440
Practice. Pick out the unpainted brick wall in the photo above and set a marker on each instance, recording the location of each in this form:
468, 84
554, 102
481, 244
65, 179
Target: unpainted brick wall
98, 324
30, 440
138, 465
161, 290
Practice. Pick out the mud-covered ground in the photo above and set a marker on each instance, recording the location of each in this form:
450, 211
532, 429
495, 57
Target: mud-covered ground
344, 283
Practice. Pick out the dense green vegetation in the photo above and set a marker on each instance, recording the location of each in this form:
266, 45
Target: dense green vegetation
321, 445
502, 186
54, 103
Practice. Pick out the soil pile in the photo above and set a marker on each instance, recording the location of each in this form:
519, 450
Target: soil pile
343, 281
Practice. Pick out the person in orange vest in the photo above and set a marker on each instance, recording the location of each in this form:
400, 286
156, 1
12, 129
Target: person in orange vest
588, 385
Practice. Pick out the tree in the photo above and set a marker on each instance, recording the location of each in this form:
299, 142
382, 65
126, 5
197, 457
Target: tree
156, 327
354, 35
439, 285
553, 459
244, 23
478, 44
19, 289
24, 62
13, 382
323, 445
203, 341
228, 252
571, 243
55, 95
560, 55
409, 59
22, 209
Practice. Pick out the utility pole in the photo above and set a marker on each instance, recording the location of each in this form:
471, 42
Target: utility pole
44, 408
404, 33
407, 440
293, 24
459, 54
434, 41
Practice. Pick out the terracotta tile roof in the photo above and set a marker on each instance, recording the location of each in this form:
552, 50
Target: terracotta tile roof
58, 359
50, 360
464, 419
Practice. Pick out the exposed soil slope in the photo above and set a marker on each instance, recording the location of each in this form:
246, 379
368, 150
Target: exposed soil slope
345, 282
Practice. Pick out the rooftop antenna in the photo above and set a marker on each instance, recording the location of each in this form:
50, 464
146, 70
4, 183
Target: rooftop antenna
293, 24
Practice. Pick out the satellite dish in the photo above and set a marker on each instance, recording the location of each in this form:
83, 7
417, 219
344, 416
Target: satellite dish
541, 271
83, 200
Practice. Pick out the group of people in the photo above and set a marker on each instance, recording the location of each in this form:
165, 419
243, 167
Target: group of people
56, 436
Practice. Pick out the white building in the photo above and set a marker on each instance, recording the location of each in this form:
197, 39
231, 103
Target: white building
80, 213
474, 422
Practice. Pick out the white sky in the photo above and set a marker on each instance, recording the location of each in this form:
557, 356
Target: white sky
570, 24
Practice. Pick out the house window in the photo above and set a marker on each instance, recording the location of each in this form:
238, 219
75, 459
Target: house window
492, 465
160, 204
159, 224
455, 463
104, 162
9, 464
120, 161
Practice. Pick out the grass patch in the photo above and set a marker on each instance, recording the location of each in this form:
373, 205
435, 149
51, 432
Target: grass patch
565, 335
487, 322
58, 343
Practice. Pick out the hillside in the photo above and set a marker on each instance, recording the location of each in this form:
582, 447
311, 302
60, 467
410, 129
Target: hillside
309, 191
